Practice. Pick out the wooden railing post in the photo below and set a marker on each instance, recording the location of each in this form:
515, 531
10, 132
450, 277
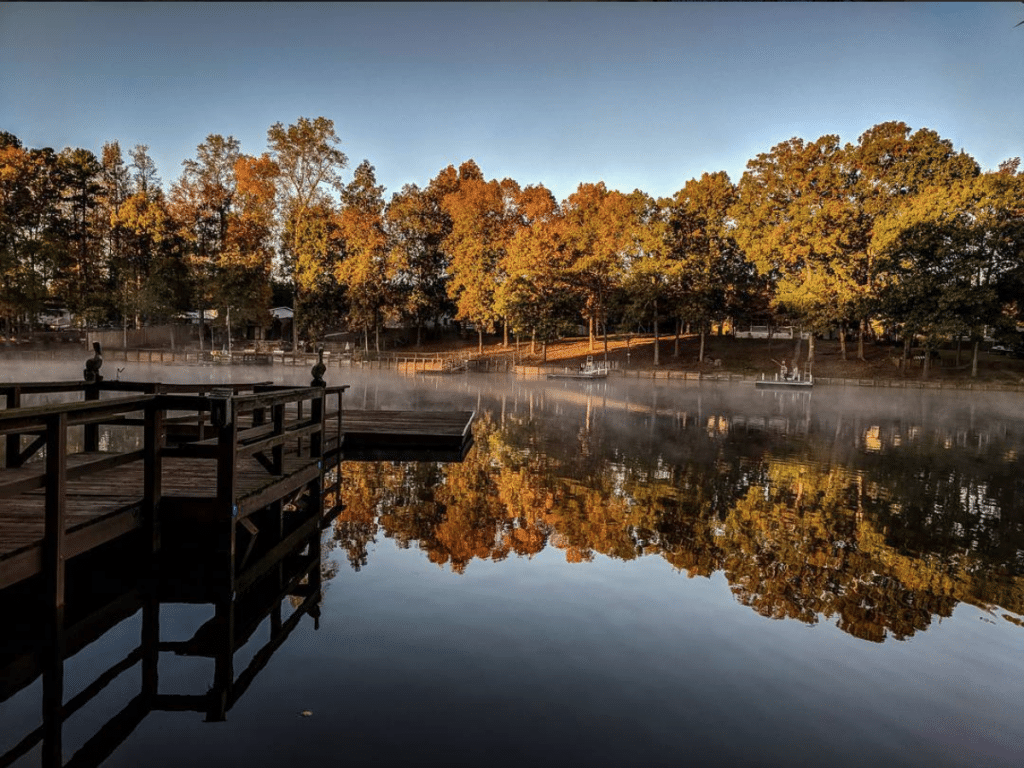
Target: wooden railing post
227, 457
153, 473
317, 411
92, 431
56, 508
13, 440
337, 443
277, 452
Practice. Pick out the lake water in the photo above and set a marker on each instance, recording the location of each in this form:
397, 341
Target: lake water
628, 573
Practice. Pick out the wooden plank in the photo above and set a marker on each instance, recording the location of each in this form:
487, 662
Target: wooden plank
21, 564
261, 497
251, 446
79, 465
196, 450
98, 531
76, 413
227, 460
153, 475
363, 429
397, 435
403, 453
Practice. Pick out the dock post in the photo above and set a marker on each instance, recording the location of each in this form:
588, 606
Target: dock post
56, 509
153, 473
14, 440
277, 452
92, 431
53, 578
317, 411
223, 417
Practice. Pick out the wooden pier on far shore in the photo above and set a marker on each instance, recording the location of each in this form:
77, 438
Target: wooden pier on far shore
230, 458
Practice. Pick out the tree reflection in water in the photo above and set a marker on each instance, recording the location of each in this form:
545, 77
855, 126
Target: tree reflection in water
878, 526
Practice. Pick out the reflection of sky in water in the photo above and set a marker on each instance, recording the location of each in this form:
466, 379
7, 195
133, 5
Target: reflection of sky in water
534, 659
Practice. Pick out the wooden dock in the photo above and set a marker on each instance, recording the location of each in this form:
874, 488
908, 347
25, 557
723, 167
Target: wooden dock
210, 458
443, 430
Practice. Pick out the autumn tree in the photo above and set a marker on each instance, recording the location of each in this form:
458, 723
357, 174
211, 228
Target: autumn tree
713, 277
246, 260
115, 184
652, 276
482, 219
597, 226
80, 282
364, 269
955, 254
149, 269
417, 225
887, 167
29, 226
201, 201
323, 296
309, 159
536, 294
794, 214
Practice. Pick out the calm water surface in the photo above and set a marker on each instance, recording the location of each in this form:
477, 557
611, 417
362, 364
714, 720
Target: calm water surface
626, 573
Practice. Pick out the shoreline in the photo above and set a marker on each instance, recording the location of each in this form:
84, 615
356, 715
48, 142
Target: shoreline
413, 364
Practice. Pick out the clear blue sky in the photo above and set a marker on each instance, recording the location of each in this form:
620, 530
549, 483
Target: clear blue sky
638, 95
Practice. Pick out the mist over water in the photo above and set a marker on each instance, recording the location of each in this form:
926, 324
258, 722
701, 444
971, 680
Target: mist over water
635, 572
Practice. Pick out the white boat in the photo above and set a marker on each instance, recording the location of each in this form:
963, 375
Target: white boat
794, 381
588, 370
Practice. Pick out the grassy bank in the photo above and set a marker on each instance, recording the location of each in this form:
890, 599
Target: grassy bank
750, 357
723, 355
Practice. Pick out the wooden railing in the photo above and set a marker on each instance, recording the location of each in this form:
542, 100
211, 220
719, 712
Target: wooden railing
48, 425
219, 425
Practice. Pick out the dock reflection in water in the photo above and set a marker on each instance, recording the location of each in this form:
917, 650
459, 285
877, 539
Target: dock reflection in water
116, 598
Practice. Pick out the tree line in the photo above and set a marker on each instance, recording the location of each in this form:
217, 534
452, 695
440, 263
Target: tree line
898, 231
